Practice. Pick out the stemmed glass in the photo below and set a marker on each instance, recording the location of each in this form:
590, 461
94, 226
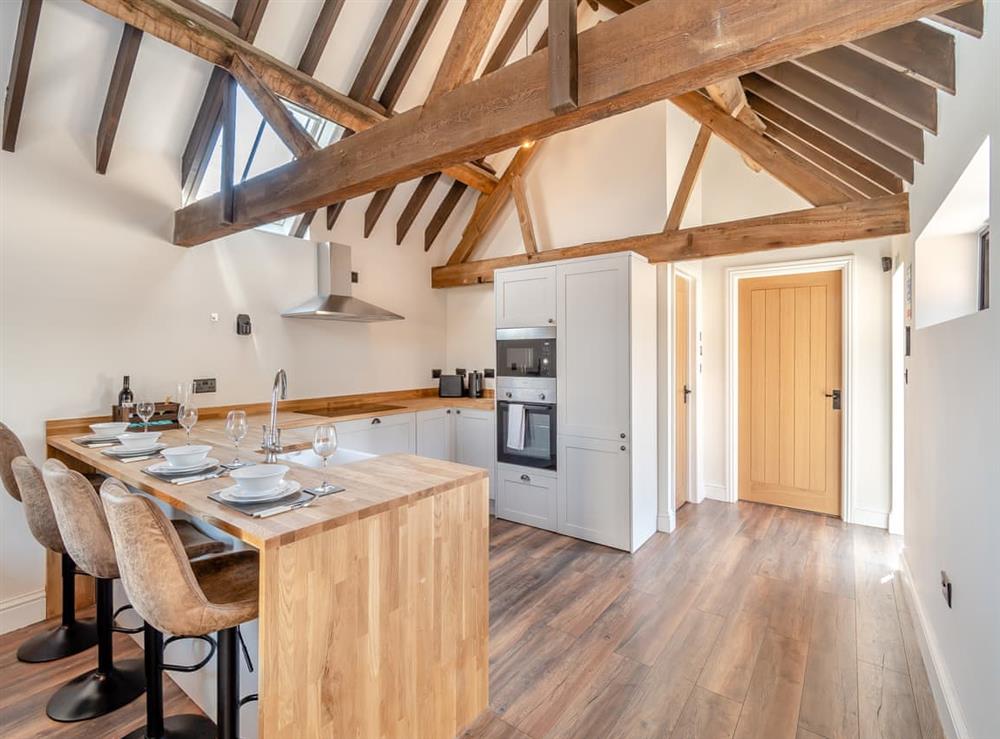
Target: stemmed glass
145, 411
236, 429
187, 416
126, 410
324, 445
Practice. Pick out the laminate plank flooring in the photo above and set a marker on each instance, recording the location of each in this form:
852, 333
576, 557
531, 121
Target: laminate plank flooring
747, 621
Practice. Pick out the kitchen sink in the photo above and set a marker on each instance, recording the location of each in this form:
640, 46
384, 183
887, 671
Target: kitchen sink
308, 458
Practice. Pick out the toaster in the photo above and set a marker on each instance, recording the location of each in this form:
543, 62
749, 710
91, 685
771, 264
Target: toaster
451, 386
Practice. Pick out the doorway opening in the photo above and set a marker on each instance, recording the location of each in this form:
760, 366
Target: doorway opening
898, 318
684, 355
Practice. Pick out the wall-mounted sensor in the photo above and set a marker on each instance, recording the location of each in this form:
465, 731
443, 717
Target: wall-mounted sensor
243, 324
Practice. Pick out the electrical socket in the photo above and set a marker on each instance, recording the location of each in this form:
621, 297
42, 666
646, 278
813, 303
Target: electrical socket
205, 385
946, 587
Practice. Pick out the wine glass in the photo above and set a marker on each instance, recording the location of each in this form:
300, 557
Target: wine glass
187, 416
236, 429
145, 411
324, 445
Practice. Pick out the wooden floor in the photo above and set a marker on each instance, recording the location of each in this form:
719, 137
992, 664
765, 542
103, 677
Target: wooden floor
747, 621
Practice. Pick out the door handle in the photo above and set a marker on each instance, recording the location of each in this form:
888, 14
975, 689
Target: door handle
687, 392
835, 395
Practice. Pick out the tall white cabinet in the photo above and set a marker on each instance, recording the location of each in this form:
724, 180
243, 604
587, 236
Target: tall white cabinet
606, 477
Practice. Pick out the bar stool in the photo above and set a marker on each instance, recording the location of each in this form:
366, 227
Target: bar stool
181, 596
85, 532
71, 636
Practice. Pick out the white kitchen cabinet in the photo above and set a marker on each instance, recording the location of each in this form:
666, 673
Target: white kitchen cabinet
395, 434
527, 496
592, 348
475, 441
526, 297
436, 433
594, 500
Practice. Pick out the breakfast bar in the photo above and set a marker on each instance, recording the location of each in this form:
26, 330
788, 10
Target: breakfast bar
373, 601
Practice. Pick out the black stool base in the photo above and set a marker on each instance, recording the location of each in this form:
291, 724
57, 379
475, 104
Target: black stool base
94, 694
186, 726
60, 642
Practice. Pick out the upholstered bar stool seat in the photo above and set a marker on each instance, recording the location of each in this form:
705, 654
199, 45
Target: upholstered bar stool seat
85, 533
182, 597
71, 636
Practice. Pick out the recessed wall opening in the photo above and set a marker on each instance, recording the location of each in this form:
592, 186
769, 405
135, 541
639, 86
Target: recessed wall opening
951, 259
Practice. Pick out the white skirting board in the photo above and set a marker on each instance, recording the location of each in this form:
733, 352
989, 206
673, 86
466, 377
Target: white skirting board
666, 522
22, 610
945, 696
876, 519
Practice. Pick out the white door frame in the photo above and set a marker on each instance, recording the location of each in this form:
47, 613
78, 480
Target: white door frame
668, 405
897, 363
845, 264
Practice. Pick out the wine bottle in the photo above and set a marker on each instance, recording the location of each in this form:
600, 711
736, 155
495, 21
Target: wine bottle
125, 396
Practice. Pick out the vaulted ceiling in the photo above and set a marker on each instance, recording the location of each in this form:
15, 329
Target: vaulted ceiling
831, 97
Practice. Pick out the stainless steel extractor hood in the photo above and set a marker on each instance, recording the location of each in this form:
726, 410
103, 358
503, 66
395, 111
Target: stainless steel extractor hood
334, 302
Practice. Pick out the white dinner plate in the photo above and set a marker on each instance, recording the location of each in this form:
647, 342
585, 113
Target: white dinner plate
96, 438
286, 488
123, 453
165, 468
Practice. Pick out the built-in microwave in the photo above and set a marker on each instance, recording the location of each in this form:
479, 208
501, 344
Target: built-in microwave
526, 425
526, 352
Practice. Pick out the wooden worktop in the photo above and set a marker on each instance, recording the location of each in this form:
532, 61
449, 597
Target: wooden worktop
373, 485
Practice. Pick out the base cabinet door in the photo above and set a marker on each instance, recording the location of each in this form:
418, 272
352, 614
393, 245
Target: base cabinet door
593, 490
527, 497
380, 435
475, 441
436, 433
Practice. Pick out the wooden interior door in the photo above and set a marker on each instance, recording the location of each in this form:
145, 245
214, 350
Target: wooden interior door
789, 366
682, 385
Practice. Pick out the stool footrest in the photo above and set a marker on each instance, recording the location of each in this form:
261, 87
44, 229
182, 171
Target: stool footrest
248, 699
197, 666
124, 629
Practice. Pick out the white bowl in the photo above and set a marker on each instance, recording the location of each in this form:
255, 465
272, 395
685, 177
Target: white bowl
139, 439
186, 456
109, 428
259, 478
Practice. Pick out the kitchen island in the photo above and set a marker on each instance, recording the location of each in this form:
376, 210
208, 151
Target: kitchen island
373, 602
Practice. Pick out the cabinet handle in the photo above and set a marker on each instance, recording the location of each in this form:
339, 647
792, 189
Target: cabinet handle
448, 411
525, 478
541, 396
458, 412
622, 447
376, 420
509, 395
552, 320
622, 434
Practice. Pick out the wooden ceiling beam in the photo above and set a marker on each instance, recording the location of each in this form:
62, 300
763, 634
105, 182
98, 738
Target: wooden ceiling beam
490, 206
889, 182
475, 26
383, 46
916, 49
114, 101
523, 214
861, 186
441, 215
836, 128
24, 47
882, 86
564, 67
205, 132
656, 51
517, 27
319, 37
688, 178
901, 135
814, 185
220, 19
414, 47
228, 170
859, 219
275, 112
966, 18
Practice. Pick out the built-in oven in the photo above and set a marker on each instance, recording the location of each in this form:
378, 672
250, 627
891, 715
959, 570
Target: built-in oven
526, 352
526, 423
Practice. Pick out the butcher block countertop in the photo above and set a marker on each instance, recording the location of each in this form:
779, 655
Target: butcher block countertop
372, 485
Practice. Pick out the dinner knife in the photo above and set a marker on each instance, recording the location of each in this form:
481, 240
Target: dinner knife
197, 478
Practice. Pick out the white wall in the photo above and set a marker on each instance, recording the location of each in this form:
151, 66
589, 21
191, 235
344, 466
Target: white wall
953, 424
947, 283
